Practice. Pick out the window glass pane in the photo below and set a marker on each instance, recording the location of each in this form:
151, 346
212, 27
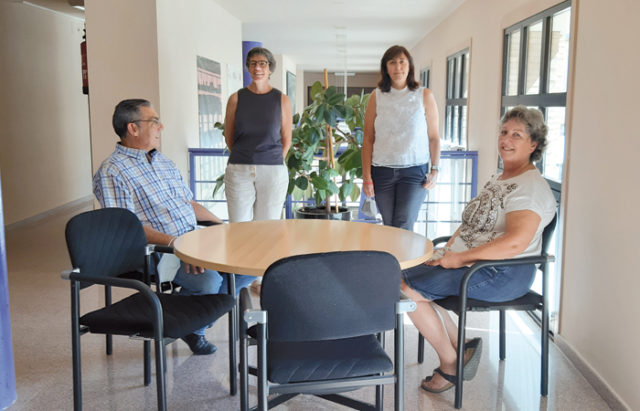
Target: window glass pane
456, 91
208, 168
450, 74
465, 80
513, 61
463, 125
447, 125
534, 58
455, 131
554, 154
559, 51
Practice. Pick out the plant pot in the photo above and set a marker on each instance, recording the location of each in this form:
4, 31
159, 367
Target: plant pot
320, 213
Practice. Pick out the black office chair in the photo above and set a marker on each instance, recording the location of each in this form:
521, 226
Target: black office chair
530, 302
155, 251
104, 244
326, 314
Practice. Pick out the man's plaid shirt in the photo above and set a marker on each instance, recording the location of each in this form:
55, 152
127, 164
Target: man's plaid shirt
153, 190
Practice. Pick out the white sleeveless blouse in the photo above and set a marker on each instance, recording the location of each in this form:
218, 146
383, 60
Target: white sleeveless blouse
401, 138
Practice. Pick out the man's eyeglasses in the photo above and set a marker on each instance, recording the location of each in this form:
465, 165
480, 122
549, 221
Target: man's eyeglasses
153, 121
259, 63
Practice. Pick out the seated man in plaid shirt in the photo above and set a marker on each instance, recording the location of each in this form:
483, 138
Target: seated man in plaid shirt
136, 176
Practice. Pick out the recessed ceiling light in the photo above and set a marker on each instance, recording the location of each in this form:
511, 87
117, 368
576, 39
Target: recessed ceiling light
76, 4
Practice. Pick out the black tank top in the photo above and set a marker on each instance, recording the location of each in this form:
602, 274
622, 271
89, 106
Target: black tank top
257, 138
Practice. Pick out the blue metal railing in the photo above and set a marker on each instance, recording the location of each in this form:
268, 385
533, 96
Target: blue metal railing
457, 185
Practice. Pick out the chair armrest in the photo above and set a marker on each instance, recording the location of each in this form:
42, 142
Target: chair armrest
66, 274
405, 305
440, 240
112, 281
206, 223
143, 288
537, 259
255, 316
156, 248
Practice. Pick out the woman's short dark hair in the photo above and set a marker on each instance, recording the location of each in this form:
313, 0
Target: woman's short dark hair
533, 120
391, 53
127, 111
262, 51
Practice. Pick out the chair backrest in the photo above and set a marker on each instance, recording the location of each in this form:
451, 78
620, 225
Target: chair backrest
547, 233
106, 242
330, 295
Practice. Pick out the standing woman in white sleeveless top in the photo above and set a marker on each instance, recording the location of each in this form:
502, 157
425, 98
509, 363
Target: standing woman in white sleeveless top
401, 147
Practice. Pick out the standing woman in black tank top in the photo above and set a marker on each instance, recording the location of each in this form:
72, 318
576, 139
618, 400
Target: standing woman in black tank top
258, 133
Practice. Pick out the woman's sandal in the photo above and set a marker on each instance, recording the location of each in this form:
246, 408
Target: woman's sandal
471, 366
450, 378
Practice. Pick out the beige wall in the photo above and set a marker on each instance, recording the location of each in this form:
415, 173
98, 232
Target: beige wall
599, 311
122, 50
44, 158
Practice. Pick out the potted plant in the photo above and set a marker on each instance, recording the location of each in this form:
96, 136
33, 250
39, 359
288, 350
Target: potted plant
330, 125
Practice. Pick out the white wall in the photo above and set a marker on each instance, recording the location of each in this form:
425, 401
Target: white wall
44, 159
187, 29
599, 309
285, 63
148, 49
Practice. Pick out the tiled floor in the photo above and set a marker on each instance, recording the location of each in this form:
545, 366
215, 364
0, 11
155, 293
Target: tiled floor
41, 336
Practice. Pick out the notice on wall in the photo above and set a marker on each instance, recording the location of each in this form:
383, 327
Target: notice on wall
209, 102
291, 89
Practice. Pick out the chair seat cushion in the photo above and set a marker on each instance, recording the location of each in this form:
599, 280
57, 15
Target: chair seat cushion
323, 360
181, 315
528, 302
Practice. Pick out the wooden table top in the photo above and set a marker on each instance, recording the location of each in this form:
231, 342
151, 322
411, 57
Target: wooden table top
251, 247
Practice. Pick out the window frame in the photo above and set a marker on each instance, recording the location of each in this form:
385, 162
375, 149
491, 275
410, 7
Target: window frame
457, 83
543, 99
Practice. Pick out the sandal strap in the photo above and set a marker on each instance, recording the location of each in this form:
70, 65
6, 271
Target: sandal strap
451, 378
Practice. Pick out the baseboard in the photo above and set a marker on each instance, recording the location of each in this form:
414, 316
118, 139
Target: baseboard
596, 381
78, 204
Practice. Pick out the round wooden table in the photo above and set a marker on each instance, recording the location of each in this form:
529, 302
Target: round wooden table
250, 248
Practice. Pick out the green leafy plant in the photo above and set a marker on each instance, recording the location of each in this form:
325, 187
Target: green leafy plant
309, 140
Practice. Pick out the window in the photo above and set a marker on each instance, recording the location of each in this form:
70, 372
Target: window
455, 121
425, 77
535, 74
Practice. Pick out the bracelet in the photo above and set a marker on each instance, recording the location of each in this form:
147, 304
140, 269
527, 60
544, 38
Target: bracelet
171, 241
368, 182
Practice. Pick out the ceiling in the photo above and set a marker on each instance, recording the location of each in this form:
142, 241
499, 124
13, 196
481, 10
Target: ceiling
339, 35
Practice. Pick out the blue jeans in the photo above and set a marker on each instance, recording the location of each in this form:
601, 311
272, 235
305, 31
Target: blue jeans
209, 282
399, 194
493, 284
